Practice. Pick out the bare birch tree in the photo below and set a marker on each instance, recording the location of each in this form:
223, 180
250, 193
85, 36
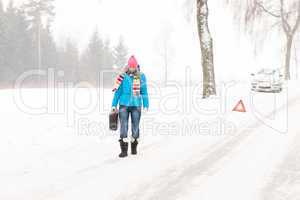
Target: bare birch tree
285, 14
206, 44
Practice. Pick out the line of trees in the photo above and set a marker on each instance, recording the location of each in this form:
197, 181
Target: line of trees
26, 43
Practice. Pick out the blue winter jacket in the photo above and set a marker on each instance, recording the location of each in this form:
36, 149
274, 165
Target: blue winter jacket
124, 95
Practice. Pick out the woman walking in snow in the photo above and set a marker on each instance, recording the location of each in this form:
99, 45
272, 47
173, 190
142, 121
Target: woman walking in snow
130, 92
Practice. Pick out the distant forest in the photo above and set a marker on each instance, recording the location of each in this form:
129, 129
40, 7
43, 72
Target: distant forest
26, 43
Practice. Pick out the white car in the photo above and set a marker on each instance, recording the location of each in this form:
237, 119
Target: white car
267, 80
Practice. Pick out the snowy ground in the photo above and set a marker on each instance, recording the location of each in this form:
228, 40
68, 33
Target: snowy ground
190, 148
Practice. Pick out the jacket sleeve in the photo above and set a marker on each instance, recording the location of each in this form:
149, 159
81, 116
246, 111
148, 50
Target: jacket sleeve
144, 91
116, 97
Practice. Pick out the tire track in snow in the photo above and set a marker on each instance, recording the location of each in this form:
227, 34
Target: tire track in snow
116, 159
172, 184
285, 179
284, 182
66, 183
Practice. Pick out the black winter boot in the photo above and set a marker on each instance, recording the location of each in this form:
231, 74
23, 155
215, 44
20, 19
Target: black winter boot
124, 148
134, 147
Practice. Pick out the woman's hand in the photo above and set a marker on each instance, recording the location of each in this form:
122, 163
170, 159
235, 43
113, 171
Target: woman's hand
145, 110
113, 109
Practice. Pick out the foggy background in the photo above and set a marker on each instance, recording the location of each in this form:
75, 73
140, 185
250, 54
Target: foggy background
85, 37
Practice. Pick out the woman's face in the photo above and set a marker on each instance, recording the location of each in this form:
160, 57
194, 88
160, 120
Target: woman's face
132, 69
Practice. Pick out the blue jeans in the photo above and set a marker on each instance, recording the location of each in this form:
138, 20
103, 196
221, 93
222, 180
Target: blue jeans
135, 114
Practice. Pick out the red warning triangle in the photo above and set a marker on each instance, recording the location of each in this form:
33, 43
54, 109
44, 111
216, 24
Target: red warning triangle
240, 107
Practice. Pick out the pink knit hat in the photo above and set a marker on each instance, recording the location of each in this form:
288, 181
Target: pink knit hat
132, 62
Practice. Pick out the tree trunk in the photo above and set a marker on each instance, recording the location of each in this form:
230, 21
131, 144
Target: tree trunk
289, 44
39, 51
296, 62
166, 62
206, 44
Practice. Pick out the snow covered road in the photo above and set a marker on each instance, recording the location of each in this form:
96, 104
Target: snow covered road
43, 158
236, 168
